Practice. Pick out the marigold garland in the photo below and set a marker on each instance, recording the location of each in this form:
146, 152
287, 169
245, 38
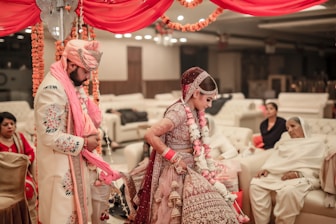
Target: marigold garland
191, 4
195, 26
37, 42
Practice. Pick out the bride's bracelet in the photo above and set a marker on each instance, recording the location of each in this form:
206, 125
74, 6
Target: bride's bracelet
168, 154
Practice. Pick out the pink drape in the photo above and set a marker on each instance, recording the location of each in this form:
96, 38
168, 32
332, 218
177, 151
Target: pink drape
17, 15
123, 16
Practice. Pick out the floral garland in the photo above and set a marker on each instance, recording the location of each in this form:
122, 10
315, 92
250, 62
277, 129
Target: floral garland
203, 161
162, 29
190, 4
37, 55
192, 27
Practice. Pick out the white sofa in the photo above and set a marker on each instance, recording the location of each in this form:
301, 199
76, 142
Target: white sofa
238, 136
313, 211
239, 113
112, 124
24, 115
307, 105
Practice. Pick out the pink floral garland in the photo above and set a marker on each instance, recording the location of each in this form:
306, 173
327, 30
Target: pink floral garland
204, 162
195, 137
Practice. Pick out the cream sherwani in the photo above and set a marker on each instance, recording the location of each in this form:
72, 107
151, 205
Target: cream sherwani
62, 172
304, 155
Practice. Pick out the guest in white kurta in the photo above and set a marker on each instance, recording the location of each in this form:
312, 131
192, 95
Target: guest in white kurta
291, 172
63, 113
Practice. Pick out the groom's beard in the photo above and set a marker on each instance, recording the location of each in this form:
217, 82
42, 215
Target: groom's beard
74, 78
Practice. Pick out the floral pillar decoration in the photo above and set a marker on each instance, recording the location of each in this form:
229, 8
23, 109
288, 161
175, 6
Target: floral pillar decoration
37, 36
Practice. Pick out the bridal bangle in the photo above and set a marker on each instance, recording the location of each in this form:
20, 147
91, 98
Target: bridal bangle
168, 154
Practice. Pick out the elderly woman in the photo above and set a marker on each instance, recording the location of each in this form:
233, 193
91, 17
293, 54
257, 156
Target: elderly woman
180, 185
291, 172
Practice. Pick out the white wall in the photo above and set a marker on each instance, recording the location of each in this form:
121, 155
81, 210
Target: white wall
159, 62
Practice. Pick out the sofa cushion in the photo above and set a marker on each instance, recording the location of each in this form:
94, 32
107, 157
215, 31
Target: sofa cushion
322, 126
314, 204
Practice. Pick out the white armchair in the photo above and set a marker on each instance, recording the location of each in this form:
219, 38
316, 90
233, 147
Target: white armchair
306, 105
112, 123
239, 113
24, 116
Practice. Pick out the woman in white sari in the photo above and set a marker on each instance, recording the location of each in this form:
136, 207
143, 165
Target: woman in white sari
291, 171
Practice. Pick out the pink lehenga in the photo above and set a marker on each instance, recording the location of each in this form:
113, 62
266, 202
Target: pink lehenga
168, 197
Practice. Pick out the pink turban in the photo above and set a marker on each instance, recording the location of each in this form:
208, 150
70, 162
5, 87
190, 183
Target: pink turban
83, 53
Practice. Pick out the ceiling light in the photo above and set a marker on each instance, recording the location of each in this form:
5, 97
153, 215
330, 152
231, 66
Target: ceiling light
180, 18
201, 20
173, 40
20, 37
28, 30
118, 36
2, 40
148, 37
183, 40
55, 31
128, 35
138, 37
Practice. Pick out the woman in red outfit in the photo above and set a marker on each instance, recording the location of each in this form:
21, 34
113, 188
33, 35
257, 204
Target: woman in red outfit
12, 141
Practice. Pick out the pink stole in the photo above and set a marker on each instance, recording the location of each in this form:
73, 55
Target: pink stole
83, 124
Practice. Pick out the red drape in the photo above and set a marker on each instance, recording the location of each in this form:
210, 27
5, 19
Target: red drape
267, 7
17, 15
123, 16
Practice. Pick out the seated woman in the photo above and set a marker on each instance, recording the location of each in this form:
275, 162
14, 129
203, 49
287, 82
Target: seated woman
291, 171
11, 141
272, 127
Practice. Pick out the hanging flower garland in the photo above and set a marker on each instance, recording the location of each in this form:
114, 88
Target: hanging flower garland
195, 26
162, 29
37, 42
190, 4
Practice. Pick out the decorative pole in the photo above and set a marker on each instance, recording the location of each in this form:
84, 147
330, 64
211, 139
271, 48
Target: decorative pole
60, 8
